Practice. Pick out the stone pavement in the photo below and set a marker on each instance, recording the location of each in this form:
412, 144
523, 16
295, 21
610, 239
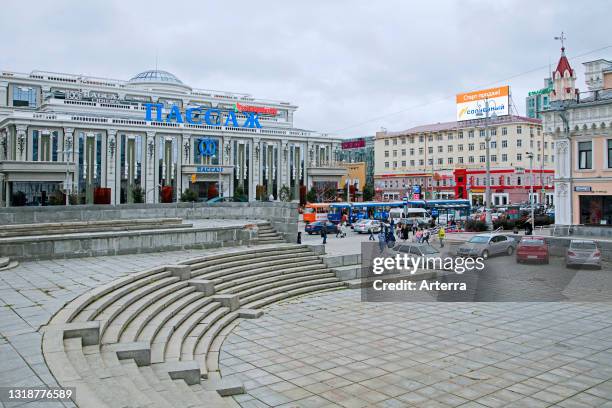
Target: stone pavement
331, 350
33, 291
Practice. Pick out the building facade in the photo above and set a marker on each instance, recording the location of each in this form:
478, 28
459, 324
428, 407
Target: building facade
150, 139
580, 123
448, 159
538, 101
360, 150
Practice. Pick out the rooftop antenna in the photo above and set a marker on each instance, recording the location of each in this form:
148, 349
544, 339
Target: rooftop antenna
562, 38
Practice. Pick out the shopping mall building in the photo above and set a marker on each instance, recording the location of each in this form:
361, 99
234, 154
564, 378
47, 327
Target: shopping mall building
447, 161
148, 140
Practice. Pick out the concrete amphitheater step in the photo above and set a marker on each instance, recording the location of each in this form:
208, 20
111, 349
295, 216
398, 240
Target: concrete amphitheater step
168, 389
199, 351
135, 326
285, 288
144, 294
258, 282
99, 304
229, 270
187, 334
285, 285
153, 325
255, 268
247, 257
163, 334
274, 296
113, 328
253, 277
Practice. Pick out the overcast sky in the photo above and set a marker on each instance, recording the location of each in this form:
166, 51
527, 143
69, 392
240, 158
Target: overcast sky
342, 62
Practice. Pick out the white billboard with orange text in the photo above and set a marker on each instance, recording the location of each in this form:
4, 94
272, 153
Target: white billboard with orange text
473, 105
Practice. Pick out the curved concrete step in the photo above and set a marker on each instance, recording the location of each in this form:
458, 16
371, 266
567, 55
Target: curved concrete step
283, 285
207, 328
259, 281
202, 348
246, 259
112, 311
203, 261
153, 325
276, 297
162, 337
98, 305
135, 326
192, 326
114, 327
254, 276
229, 275
225, 273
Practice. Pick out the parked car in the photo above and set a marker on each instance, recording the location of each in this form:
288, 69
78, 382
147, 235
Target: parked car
317, 226
365, 226
485, 245
532, 249
583, 252
227, 200
417, 250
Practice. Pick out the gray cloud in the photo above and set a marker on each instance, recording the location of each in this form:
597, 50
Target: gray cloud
342, 62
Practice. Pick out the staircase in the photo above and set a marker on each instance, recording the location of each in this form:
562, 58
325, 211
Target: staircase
152, 339
266, 234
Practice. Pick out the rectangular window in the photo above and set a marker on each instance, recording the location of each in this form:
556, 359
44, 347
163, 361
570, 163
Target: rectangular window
394, 164
504, 157
519, 142
386, 142
386, 165
439, 138
412, 163
421, 162
471, 147
412, 151
24, 96
430, 138
421, 150
460, 147
395, 153
386, 153
403, 152
450, 136
394, 142
519, 156
460, 159
504, 131
403, 140
430, 149
471, 134
493, 144
483, 145
585, 155
403, 163
471, 159
483, 159
421, 139
450, 148
440, 149
460, 136
519, 130
494, 132
493, 157
450, 160
482, 133
440, 160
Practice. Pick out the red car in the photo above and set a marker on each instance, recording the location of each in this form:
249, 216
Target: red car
532, 249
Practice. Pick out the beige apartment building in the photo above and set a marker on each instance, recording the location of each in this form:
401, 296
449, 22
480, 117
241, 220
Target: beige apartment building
448, 161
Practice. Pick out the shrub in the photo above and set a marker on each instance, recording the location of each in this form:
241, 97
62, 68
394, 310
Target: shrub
189, 196
57, 198
19, 199
311, 196
475, 225
284, 194
137, 195
239, 194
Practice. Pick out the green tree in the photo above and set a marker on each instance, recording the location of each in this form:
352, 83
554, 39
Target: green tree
368, 192
189, 196
311, 196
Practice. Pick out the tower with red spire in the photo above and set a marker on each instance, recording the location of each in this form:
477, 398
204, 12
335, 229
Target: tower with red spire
564, 81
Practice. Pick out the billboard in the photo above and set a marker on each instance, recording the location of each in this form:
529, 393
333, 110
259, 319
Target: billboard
471, 104
353, 144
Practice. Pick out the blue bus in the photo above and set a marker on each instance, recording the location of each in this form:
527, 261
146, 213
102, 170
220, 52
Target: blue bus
336, 210
446, 208
374, 210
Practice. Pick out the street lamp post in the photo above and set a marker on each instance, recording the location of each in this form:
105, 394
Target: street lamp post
488, 219
531, 197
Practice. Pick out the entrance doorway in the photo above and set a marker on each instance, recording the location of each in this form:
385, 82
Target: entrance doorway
205, 189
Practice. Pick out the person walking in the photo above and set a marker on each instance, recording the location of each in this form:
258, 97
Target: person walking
528, 227
415, 227
390, 238
418, 236
441, 236
426, 235
405, 232
382, 238
371, 237
324, 233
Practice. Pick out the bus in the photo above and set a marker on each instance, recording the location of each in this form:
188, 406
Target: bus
443, 210
374, 210
337, 210
316, 212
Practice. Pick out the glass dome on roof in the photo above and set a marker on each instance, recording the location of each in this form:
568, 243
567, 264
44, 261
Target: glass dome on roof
157, 76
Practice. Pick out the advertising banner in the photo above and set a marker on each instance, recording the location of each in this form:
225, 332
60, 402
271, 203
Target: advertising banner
472, 105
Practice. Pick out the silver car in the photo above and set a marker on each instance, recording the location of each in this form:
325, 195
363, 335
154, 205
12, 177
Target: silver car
365, 226
583, 252
485, 245
421, 250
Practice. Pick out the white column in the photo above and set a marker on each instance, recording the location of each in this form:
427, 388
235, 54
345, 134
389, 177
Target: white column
150, 181
112, 150
563, 185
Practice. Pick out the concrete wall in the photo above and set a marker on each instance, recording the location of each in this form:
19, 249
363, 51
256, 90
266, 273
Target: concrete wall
124, 242
283, 216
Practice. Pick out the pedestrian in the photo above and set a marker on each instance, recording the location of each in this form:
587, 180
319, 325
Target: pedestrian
343, 230
414, 227
418, 236
371, 237
390, 238
426, 235
528, 227
324, 233
339, 229
382, 238
441, 236
405, 232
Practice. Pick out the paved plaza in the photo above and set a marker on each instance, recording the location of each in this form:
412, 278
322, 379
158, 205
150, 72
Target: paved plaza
331, 350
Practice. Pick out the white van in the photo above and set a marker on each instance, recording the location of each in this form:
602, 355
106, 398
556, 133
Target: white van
410, 216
